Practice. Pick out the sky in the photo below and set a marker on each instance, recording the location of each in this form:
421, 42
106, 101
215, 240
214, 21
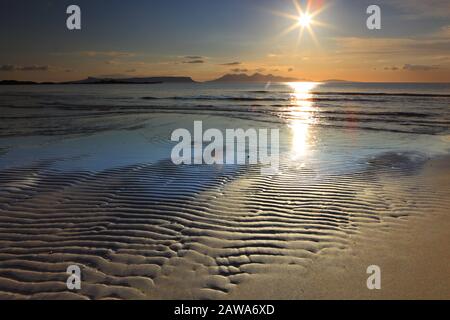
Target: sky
205, 39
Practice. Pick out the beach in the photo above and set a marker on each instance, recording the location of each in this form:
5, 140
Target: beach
86, 179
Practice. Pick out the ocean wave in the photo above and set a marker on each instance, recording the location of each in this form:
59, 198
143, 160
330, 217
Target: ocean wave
337, 93
259, 99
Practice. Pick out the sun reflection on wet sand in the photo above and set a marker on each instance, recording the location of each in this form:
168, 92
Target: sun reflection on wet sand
301, 114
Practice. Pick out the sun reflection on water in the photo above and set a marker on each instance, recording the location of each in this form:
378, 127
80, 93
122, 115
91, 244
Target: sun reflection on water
301, 115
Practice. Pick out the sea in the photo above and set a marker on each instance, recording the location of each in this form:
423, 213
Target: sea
109, 125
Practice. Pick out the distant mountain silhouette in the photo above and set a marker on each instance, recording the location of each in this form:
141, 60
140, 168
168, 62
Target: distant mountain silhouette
16, 82
257, 77
92, 80
242, 77
334, 80
146, 80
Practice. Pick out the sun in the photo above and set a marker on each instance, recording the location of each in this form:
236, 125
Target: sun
305, 20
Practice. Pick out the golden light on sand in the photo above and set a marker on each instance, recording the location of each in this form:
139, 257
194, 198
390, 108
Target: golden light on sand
301, 117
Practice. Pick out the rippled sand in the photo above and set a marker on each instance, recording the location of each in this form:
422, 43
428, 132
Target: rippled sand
206, 232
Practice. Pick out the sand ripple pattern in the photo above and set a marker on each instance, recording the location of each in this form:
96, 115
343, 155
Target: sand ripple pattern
165, 231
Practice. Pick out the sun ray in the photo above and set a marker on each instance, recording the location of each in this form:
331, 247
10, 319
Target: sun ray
304, 20
297, 6
288, 30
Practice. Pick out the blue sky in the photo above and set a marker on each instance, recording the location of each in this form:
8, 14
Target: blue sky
137, 38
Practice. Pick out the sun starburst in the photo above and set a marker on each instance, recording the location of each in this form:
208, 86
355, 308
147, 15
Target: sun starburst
304, 19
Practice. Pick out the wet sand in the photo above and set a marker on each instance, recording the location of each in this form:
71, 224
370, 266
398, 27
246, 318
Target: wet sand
160, 231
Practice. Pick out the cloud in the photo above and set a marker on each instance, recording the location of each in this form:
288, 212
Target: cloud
290, 69
112, 62
11, 68
393, 46
443, 33
194, 61
130, 70
238, 70
418, 67
113, 54
417, 9
231, 63
7, 67
34, 68
391, 68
